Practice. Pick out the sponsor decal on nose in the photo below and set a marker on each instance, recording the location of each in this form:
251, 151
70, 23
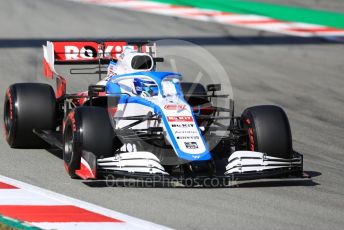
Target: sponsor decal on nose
180, 119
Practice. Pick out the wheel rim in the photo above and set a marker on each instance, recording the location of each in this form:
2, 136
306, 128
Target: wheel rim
68, 144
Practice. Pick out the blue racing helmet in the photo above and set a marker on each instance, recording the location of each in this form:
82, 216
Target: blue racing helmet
145, 87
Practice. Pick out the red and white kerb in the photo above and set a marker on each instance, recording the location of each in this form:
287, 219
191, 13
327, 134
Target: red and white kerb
48, 210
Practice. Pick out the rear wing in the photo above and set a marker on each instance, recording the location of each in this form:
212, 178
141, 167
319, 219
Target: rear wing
88, 52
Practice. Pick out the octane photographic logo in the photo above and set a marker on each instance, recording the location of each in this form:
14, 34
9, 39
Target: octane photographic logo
161, 181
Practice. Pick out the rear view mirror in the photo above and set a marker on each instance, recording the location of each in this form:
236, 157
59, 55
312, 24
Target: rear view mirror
158, 59
214, 87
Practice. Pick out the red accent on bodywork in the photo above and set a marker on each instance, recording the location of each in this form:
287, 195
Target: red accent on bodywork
71, 117
80, 101
248, 121
60, 87
112, 111
48, 73
203, 110
6, 186
102, 94
84, 97
85, 173
53, 213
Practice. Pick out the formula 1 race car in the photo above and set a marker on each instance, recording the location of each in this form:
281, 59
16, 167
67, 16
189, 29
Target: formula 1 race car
141, 123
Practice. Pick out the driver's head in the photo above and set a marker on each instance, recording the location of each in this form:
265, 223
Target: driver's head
145, 87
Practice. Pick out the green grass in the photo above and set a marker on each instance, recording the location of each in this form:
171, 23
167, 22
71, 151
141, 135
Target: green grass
6, 227
287, 13
12, 224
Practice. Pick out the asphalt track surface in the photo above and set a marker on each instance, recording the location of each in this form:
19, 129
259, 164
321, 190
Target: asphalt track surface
305, 76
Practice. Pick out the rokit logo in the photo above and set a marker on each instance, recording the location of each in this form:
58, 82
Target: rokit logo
89, 52
65, 51
86, 52
180, 119
191, 145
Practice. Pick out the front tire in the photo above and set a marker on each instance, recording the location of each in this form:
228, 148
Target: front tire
268, 130
87, 129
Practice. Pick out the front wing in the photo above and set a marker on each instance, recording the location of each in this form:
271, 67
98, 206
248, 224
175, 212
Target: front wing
241, 165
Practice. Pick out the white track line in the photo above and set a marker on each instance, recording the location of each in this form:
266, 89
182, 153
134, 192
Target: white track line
22, 197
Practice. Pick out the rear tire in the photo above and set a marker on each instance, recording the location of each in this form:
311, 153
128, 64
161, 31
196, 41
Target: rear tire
87, 129
28, 106
268, 130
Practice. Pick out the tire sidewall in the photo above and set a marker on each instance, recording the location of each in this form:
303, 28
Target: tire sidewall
83, 122
274, 134
72, 159
249, 125
10, 125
